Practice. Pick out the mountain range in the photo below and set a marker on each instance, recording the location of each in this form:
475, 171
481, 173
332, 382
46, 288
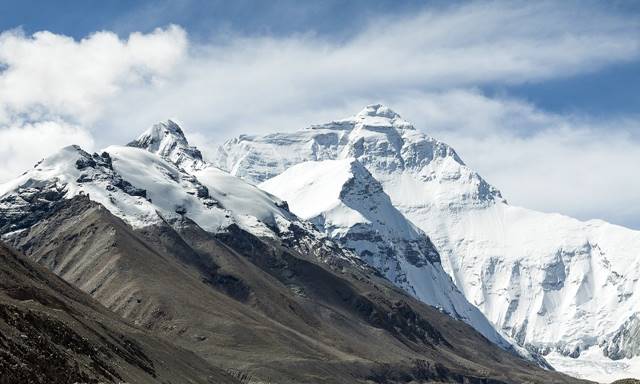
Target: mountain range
356, 251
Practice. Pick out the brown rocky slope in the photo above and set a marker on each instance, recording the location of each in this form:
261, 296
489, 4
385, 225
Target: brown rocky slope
268, 311
51, 332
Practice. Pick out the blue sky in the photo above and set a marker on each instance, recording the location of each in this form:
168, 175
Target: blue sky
604, 92
202, 19
542, 98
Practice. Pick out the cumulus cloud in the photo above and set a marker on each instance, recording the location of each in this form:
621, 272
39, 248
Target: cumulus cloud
21, 146
52, 75
576, 165
52, 85
228, 85
428, 66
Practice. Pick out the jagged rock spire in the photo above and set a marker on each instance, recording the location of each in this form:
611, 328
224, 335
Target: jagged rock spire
168, 140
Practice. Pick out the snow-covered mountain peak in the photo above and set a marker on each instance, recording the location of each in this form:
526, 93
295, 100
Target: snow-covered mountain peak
378, 110
409, 163
251, 208
374, 117
142, 188
378, 116
161, 135
168, 140
340, 195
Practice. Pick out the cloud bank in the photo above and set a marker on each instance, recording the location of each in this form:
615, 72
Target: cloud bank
429, 67
21, 145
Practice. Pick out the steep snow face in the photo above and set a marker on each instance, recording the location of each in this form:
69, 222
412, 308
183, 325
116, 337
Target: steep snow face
546, 279
344, 201
135, 185
143, 189
244, 200
167, 140
549, 281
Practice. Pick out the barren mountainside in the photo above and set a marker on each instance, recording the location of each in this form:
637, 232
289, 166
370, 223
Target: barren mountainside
51, 332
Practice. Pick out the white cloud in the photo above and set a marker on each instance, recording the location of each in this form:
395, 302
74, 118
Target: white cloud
576, 165
53, 75
246, 83
425, 65
21, 146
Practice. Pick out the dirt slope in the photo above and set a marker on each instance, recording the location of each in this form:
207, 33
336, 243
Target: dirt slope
50, 332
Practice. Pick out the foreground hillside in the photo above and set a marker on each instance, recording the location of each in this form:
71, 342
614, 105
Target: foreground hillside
263, 309
51, 332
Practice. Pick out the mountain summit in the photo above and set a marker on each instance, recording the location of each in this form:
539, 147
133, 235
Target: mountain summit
378, 110
167, 140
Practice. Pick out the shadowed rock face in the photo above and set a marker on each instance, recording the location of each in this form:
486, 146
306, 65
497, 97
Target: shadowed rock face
50, 332
625, 342
289, 311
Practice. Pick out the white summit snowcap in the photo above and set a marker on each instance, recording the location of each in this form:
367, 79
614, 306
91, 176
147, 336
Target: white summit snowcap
167, 140
161, 134
344, 193
378, 115
251, 208
378, 110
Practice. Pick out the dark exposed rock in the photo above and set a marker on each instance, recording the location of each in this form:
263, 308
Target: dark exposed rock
92, 161
127, 188
28, 205
625, 342
85, 162
284, 205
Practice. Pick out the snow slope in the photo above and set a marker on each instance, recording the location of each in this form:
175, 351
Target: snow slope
551, 282
140, 195
593, 365
344, 201
144, 187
